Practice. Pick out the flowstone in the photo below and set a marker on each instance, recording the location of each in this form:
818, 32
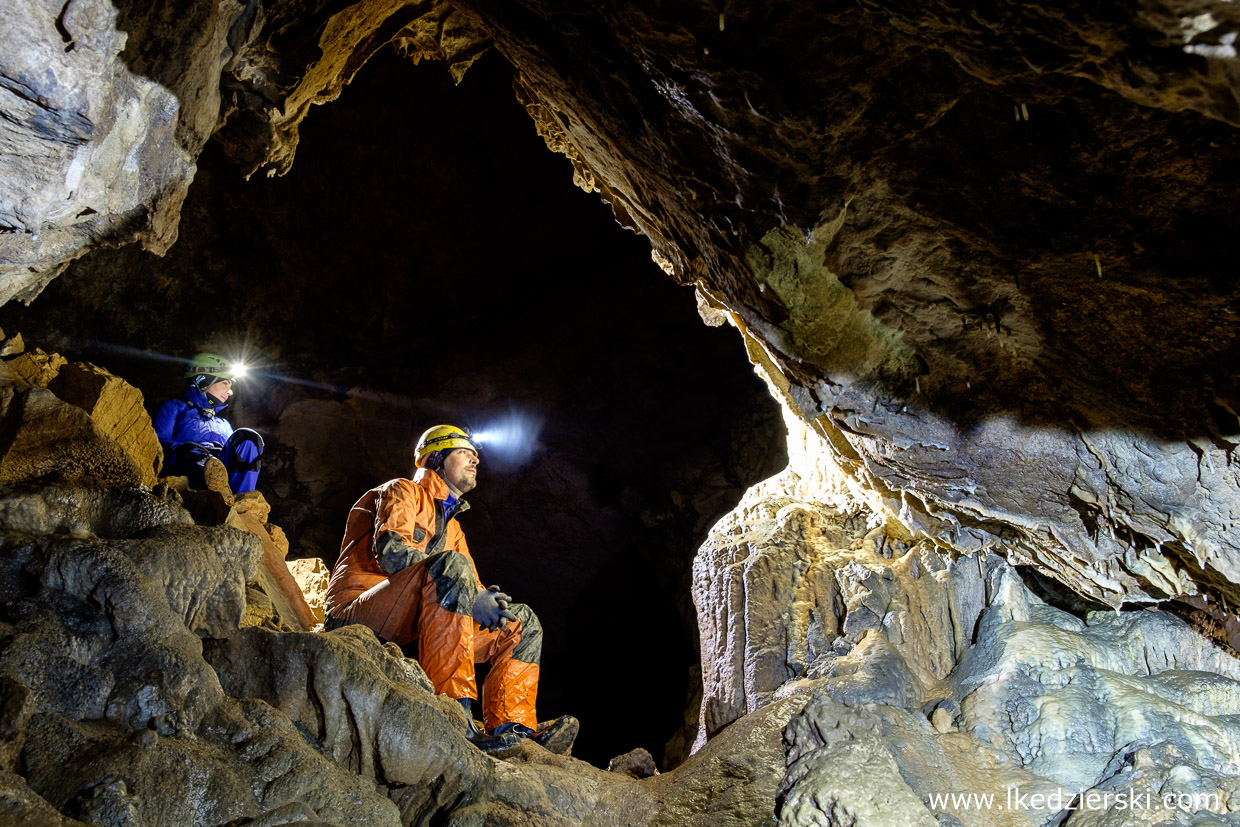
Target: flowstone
940, 688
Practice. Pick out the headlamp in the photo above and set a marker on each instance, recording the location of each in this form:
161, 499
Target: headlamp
448, 437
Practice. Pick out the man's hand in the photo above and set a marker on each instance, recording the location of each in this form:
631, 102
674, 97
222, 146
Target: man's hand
491, 609
186, 451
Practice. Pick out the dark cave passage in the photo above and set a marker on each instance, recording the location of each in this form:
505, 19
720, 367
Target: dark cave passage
428, 251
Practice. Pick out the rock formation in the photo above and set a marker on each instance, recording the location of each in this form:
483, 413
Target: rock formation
937, 689
983, 259
149, 677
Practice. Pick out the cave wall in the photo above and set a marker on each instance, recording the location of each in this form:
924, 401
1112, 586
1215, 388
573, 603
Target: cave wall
948, 245
993, 266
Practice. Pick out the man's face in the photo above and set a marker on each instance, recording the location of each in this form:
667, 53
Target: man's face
460, 470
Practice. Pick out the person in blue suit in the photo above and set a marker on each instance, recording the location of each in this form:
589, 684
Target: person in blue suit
199, 443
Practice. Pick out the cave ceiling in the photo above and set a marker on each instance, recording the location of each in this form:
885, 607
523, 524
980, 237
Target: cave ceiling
987, 254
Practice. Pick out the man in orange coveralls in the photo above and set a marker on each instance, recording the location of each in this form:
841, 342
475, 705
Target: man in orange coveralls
405, 571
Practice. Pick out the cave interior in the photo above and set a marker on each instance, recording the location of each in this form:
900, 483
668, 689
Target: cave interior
456, 266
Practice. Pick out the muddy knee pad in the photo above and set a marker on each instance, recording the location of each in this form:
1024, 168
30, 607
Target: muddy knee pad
243, 457
529, 650
456, 588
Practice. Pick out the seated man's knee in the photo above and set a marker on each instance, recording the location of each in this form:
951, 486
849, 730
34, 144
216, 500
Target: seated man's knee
243, 457
529, 650
244, 450
455, 586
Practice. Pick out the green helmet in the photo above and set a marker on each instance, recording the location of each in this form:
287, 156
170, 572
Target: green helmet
209, 365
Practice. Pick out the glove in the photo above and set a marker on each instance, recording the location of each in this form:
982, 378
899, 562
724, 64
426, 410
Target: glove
394, 554
190, 451
491, 609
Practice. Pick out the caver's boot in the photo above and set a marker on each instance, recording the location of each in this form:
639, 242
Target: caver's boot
495, 742
555, 736
215, 477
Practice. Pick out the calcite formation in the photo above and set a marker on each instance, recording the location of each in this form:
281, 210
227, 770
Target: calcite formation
941, 689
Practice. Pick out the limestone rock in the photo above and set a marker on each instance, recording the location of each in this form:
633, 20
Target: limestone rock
105, 114
254, 504
259, 610
21, 805
738, 772
278, 538
103, 654
930, 679
788, 588
187, 779
382, 725
33, 367
86, 510
117, 408
637, 763
312, 576
11, 346
851, 782
273, 575
207, 591
16, 707
266, 136
45, 436
1072, 695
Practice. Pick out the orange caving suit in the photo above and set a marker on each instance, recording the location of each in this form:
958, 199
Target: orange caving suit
429, 597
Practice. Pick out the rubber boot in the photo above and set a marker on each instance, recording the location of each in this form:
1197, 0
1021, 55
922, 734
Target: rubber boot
496, 742
215, 477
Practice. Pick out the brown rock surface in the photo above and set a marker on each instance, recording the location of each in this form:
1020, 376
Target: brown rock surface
34, 367
273, 576
47, 437
117, 408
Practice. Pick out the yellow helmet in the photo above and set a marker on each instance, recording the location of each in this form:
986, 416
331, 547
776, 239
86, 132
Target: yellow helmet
440, 437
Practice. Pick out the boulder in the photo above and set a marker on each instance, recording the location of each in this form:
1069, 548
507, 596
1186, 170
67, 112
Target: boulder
43, 436
117, 408
312, 576
273, 576
34, 367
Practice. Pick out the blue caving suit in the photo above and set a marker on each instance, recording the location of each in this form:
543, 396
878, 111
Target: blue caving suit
191, 429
